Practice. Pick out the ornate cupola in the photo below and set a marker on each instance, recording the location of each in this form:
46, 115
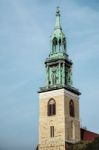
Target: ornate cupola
58, 65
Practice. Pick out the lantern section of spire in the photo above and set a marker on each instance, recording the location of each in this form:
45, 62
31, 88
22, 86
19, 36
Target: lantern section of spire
58, 39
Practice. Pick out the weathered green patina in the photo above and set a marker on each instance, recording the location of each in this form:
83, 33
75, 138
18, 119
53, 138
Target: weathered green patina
58, 70
58, 40
58, 65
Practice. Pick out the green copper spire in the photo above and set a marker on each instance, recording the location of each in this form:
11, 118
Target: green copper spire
58, 65
58, 40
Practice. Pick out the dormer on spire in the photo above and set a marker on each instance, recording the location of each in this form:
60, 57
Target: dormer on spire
58, 40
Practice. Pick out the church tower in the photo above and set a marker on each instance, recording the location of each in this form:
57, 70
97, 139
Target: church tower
59, 100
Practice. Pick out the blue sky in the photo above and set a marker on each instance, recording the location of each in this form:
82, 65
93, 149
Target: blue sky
25, 29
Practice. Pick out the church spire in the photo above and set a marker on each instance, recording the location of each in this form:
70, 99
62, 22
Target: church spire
58, 40
58, 65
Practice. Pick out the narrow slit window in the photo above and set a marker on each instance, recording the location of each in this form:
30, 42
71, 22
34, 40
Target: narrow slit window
51, 131
71, 108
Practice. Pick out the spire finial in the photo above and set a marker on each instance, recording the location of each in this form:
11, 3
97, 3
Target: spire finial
58, 11
57, 25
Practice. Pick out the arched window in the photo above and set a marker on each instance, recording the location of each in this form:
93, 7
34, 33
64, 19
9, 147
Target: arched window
59, 44
51, 107
55, 41
64, 43
71, 108
54, 44
59, 41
